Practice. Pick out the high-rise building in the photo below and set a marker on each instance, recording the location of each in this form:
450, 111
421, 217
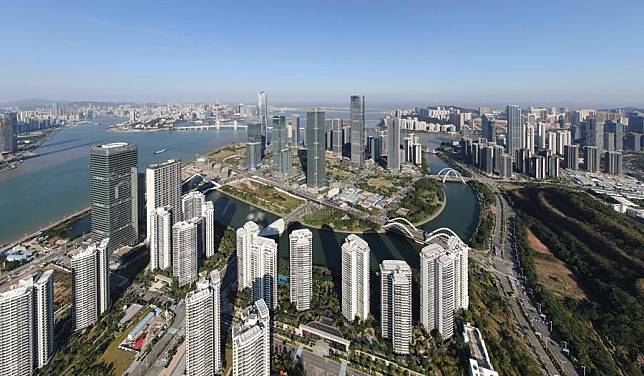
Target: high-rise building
554, 166
192, 204
90, 284
395, 304
114, 194
506, 166
281, 152
315, 158
295, 128
208, 213
516, 129
443, 282
160, 238
254, 146
613, 163
8, 130
486, 162
27, 324
245, 238
203, 332
393, 144
252, 342
571, 157
355, 278
593, 132
301, 268
488, 127
186, 240
262, 113
264, 270
592, 158
529, 137
336, 127
162, 189
357, 109
538, 167
43, 316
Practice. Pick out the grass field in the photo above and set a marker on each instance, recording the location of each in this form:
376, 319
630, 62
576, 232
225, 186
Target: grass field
226, 152
121, 359
264, 196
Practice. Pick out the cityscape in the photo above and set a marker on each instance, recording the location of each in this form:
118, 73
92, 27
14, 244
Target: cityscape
335, 231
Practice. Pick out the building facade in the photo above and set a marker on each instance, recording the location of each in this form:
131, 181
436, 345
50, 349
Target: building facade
90, 284
315, 157
163, 189
251, 339
114, 194
357, 113
395, 304
301, 268
355, 278
203, 327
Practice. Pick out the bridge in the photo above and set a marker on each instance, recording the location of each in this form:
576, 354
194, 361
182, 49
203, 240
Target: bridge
403, 227
449, 174
203, 127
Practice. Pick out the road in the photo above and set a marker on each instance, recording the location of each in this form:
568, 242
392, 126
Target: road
505, 264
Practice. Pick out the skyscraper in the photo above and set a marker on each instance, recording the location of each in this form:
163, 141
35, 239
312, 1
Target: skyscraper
90, 284
264, 269
281, 152
516, 129
245, 238
262, 113
295, 128
393, 144
254, 146
208, 213
336, 127
315, 161
488, 128
357, 108
8, 130
252, 342
355, 278
163, 189
192, 205
613, 163
571, 156
160, 238
27, 322
395, 304
185, 250
18, 332
443, 283
594, 134
301, 268
114, 194
43, 315
592, 158
203, 332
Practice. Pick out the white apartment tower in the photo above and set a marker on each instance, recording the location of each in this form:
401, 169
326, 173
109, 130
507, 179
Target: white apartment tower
203, 333
27, 322
245, 238
163, 189
160, 238
192, 205
252, 342
264, 270
301, 268
208, 212
90, 284
395, 309
443, 282
355, 278
44, 317
185, 250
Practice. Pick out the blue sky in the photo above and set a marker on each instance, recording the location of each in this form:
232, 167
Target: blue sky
402, 52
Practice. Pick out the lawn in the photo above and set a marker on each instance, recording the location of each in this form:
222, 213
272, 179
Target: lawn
264, 196
121, 359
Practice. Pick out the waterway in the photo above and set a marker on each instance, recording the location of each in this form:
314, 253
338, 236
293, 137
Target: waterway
56, 184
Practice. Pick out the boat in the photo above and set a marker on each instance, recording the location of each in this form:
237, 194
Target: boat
160, 151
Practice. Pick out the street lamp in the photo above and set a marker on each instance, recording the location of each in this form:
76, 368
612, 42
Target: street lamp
584, 368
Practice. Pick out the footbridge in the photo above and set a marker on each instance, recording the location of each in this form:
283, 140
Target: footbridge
403, 227
449, 174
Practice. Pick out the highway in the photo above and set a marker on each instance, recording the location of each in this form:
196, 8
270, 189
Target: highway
505, 264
